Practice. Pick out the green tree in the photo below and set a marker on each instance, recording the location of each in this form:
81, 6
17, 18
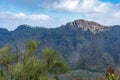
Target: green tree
7, 60
2, 75
31, 67
54, 63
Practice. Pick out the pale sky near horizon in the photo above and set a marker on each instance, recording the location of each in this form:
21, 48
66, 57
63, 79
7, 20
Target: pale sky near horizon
53, 13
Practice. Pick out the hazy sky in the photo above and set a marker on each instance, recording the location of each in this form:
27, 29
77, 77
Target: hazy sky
53, 13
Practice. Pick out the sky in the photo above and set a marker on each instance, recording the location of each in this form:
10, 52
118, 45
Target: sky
54, 13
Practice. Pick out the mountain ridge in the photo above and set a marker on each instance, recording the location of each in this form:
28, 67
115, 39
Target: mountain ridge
80, 23
82, 48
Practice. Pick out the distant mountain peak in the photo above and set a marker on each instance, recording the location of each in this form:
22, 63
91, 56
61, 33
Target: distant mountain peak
85, 25
22, 27
3, 29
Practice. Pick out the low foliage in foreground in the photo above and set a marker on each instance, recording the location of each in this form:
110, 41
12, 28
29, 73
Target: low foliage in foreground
27, 66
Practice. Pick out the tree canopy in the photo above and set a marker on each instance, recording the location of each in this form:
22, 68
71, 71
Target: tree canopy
31, 66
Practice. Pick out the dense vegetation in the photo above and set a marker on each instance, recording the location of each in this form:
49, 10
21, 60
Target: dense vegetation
28, 66
47, 66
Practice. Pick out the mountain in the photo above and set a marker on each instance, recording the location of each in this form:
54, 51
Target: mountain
5, 37
83, 44
85, 25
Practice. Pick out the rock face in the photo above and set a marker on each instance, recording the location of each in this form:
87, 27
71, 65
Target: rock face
83, 44
85, 25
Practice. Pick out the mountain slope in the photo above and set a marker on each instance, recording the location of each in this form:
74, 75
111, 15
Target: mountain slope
5, 37
83, 44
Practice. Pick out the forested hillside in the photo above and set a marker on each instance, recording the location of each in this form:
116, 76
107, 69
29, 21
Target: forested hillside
83, 44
